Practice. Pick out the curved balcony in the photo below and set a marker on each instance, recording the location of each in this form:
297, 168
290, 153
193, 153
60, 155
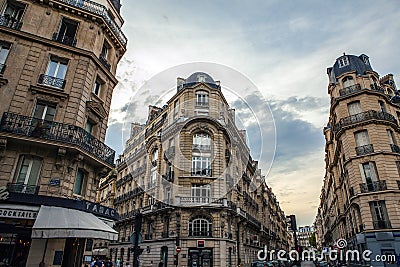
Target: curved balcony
363, 117
350, 89
373, 186
364, 150
56, 131
10, 22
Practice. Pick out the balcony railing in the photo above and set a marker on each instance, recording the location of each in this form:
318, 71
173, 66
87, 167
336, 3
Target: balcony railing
376, 87
22, 188
395, 148
364, 116
202, 148
51, 81
382, 224
202, 172
373, 186
364, 150
104, 61
200, 233
349, 90
64, 39
201, 200
56, 131
2, 68
10, 22
99, 10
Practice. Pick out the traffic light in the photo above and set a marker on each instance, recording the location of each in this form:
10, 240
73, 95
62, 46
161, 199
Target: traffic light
176, 259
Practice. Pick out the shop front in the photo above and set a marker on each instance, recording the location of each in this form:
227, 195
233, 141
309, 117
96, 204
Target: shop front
200, 257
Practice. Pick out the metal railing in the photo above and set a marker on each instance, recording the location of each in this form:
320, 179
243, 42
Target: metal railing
202, 148
2, 68
200, 200
395, 148
201, 172
350, 89
56, 131
104, 61
64, 39
99, 10
364, 150
22, 188
364, 116
382, 224
10, 22
51, 81
200, 233
373, 186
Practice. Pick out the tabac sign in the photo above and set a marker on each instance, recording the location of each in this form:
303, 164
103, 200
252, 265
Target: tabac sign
98, 209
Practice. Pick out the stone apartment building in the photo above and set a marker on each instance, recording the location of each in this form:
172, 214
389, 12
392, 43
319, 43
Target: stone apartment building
58, 60
360, 194
303, 235
189, 173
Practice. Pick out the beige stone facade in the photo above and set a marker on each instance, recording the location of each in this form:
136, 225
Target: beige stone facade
360, 194
58, 65
189, 172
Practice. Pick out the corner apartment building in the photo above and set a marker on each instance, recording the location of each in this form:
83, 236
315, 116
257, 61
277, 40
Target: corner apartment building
58, 60
189, 172
361, 190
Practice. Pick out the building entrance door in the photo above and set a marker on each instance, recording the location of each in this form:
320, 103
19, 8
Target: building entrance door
200, 257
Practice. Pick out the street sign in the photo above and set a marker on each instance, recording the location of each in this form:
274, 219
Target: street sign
133, 240
201, 243
178, 249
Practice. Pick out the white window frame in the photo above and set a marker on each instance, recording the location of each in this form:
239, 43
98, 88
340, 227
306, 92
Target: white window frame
28, 173
343, 61
362, 138
201, 193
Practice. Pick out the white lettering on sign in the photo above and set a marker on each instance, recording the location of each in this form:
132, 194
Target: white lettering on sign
3, 193
20, 214
99, 209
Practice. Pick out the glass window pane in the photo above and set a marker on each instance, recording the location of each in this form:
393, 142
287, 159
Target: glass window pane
79, 182
23, 170
62, 70
39, 111
51, 68
35, 170
50, 112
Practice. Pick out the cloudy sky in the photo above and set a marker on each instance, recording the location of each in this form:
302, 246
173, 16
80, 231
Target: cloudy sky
283, 47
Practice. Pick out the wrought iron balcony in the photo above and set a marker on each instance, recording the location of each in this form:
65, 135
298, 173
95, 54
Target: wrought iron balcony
22, 188
2, 68
382, 224
395, 148
64, 39
104, 61
373, 186
51, 81
201, 148
10, 22
364, 150
200, 233
56, 131
364, 116
99, 10
201, 200
169, 176
350, 89
202, 104
202, 172
376, 87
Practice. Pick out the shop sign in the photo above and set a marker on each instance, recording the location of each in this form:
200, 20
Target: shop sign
18, 214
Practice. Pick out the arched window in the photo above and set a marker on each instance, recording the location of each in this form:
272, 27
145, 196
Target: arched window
200, 226
202, 98
201, 154
348, 81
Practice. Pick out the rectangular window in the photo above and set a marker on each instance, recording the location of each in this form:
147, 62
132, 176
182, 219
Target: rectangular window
57, 67
382, 106
79, 182
202, 98
67, 31
12, 15
392, 140
44, 111
168, 194
362, 138
27, 174
4, 50
176, 108
104, 51
201, 166
369, 173
201, 193
379, 215
89, 127
97, 87
354, 108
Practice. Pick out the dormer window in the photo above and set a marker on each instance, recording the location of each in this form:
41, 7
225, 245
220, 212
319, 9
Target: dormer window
201, 78
365, 59
343, 61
